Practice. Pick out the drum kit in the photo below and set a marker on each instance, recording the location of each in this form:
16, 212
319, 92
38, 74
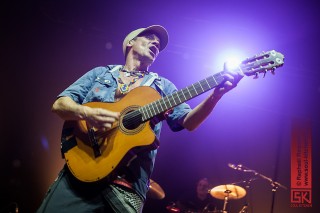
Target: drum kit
222, 192
225, 192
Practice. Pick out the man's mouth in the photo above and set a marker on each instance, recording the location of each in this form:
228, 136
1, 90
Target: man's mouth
154, 50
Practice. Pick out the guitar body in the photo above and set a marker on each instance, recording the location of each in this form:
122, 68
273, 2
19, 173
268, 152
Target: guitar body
114, 144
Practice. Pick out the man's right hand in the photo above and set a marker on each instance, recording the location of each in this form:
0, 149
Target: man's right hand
99, 118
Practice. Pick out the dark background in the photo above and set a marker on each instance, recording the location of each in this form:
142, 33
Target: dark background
46, 45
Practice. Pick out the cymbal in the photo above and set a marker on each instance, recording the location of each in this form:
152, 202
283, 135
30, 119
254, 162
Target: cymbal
155, 191
230, 191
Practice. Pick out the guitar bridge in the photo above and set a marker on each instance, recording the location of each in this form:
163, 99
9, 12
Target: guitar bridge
94, 143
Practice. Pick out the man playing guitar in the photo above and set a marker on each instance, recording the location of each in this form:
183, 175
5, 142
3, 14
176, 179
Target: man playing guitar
110, 136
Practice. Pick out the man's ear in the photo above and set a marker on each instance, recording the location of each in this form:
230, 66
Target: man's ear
130, 43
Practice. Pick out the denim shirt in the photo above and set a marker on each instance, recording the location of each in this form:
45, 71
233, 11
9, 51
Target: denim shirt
100, 85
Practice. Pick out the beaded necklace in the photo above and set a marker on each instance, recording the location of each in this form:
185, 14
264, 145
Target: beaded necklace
124, 88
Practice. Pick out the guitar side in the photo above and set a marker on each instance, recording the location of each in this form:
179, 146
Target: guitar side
114, 144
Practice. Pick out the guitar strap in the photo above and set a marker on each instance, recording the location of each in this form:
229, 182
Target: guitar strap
68, 140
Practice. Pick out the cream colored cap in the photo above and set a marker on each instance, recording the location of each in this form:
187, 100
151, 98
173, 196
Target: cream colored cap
160, 31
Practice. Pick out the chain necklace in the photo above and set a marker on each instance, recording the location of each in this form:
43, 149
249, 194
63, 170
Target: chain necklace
133, 72
124, 88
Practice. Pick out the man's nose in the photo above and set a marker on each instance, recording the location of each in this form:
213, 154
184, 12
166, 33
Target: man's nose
156, 42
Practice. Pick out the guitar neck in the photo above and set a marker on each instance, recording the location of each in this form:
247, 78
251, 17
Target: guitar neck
261, 63
162, 105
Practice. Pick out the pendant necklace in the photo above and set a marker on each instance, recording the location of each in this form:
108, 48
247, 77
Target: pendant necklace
124, 88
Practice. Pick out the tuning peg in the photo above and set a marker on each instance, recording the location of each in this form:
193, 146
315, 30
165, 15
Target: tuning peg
273, 71
264, 74
256, 76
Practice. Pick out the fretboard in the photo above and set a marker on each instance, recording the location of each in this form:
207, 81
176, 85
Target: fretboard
162, 105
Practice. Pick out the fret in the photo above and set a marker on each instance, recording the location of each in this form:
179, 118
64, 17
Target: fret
172, 97
146, 116
219, 77
179, 95
196, 86
194, 89
152, 111
168, 100
158, 103
204, 85
189, 92
165, 103
201, 87
147, 111
143, 114
184, 96
155, 112
216, 83
207, 83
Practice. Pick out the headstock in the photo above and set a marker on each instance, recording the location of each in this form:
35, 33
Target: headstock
262, 63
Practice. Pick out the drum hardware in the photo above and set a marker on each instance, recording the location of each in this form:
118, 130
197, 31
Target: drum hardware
172, 208
244, 208
247, 182
227, 192
155, 191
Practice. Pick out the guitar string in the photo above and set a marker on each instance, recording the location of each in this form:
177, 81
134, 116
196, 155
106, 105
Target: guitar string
210, 80
133, 117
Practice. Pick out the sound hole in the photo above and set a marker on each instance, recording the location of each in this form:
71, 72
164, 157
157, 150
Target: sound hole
132, 120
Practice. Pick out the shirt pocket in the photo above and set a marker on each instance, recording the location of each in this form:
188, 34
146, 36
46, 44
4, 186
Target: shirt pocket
103, 90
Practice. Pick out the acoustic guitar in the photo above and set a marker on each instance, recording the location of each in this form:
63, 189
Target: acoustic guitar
92, 155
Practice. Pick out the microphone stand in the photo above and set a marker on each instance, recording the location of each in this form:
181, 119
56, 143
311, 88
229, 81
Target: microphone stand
275, 185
